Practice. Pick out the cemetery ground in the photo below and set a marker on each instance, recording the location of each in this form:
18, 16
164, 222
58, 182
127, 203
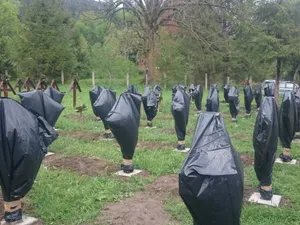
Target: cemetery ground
77, 184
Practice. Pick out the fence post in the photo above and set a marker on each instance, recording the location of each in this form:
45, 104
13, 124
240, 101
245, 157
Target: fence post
146, 79
228, 80
206, 81
165, 80
93, 78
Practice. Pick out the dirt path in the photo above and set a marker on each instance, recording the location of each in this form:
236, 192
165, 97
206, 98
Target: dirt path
145, 208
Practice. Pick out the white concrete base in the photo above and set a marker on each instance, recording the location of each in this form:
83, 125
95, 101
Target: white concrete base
25, 221
293, 162
255, 198
185, 150
296, 140
49, 153
121, 173
150, 127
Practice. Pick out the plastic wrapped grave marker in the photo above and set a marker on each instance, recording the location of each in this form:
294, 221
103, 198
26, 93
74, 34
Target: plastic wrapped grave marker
41, 104
234, 102
132, 89
180, 112
258, 95
124, 122
94, 94
226, 90
212, 102
102, 107
158, 92
55, 94
211, 181
297, 104
287, 125
24, 138
196, 93
248, 98
265, 140
150, 103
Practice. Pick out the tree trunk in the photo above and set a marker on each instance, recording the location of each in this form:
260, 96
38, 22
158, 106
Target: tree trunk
278, 69
150, 66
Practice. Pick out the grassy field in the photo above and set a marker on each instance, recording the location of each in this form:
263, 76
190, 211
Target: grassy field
62, 196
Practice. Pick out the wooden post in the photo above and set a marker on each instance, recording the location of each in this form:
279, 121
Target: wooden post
74, 97
228, 80
146, 79
127, 79
206, 81
74, 86
165, 80
250, 81
5, 85
185, 80
62, 77
93, 78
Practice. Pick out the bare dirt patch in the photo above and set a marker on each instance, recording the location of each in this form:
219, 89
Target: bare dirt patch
83, 165
78, 117
146, 207
247, 159
82, 135
172, 131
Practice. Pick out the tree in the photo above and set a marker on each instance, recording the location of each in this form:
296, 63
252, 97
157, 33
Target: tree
47, 44
277, 23
9, 29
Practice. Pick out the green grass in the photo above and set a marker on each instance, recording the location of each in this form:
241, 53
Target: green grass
62, 197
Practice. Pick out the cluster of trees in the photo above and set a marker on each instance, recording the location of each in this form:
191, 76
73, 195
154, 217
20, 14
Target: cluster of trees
160, 38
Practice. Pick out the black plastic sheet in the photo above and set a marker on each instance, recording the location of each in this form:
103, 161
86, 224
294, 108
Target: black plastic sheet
265, 140
180, 111
94, 94
212, 178
212, 102
124, 122
150, 100
258, 95
132, 89
177, 87
24, 139
297, 104
39, 103
196, 93
269, 89
226, 91
287, 120
234, 102
55, 94
104, 103
248, 98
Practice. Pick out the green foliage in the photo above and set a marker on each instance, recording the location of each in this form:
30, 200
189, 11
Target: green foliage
47, 45
9, 29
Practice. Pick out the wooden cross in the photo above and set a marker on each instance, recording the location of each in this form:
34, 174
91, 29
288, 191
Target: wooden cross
54, 85
19, 85
5, 86
27, 84
41, 85
74, 86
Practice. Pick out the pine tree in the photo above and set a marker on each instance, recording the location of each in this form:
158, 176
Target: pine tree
47, 44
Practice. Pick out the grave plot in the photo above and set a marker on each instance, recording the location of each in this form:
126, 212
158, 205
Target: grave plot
145, 207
